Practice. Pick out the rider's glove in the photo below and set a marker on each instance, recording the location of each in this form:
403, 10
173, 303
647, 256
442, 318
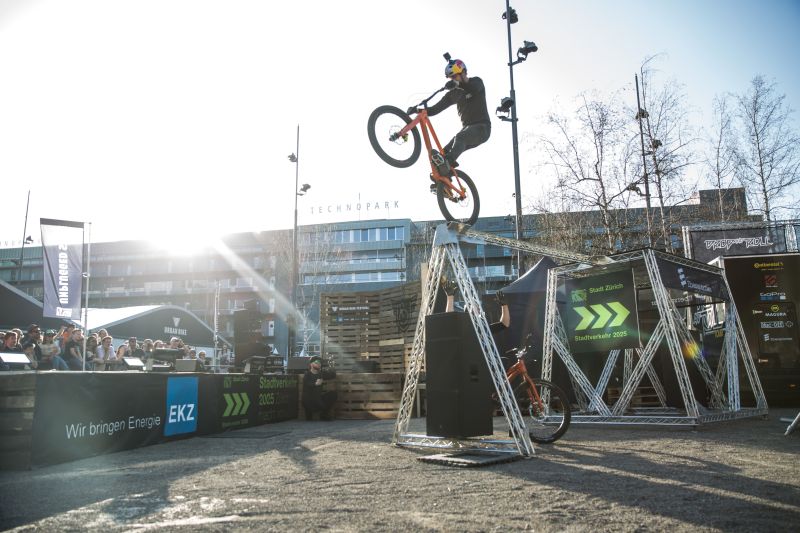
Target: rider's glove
501, 298
411, 110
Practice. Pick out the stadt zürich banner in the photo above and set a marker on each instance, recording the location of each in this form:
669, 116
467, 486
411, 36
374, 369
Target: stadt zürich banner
601, 313
710, 244
62, 253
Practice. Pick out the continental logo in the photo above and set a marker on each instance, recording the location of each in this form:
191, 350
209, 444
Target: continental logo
774, 264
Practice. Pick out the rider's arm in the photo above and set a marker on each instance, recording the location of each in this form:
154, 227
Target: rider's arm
450, 98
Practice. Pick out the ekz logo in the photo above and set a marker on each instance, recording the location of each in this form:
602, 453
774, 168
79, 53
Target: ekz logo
181, 406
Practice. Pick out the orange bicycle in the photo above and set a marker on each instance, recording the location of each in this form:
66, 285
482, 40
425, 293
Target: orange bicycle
395, 138
545, 403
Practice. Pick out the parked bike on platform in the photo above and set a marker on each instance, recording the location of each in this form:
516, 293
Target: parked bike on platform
543, 404
395, 138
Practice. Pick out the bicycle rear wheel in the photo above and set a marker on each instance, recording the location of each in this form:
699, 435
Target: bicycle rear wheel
547, 419
457, 209
382, 125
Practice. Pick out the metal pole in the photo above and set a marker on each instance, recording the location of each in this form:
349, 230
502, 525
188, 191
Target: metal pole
514, 140
24, 237
88, 243
644, 164
292, 325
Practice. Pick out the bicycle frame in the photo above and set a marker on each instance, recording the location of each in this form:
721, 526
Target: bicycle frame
452, 186
519, 369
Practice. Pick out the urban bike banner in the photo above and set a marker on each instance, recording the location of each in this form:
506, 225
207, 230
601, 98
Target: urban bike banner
710, 244
62, 254
600, 313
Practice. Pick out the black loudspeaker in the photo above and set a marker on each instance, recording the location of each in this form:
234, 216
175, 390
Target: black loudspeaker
458, 384
247, 335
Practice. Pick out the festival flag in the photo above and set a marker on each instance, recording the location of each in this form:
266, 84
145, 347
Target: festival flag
62, 252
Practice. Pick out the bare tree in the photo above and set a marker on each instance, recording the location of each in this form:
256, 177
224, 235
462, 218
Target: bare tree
721, 157
589, 153
769, 158
668, 143
318, 254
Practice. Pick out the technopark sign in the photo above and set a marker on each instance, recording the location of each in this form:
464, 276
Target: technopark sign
378, 208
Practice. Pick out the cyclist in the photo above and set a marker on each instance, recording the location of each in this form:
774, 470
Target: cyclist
469, 95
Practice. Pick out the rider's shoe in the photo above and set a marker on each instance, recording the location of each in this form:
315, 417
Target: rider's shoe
442, 166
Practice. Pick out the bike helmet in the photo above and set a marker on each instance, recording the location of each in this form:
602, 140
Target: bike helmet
454, 66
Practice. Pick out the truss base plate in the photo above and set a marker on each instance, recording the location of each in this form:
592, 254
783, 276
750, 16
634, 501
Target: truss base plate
468, 459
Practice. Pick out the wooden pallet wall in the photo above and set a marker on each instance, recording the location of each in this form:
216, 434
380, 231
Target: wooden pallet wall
17, 399
370, 326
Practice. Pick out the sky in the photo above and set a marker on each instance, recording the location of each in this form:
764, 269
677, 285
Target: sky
172, 120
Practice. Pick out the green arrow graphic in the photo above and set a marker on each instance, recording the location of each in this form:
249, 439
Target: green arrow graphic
602, 315
246, 400
586, 318
621, 311
238, 401
229, 403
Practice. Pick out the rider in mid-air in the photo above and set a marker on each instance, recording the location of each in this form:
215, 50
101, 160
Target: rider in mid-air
469, 95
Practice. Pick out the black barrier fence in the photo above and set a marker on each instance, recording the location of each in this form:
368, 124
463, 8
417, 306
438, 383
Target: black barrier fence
80, 415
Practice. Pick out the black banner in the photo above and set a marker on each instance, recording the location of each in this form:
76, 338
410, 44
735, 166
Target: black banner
600, 313
62, 253
767, 291
83, 414
709, 244
689, 279
232, 401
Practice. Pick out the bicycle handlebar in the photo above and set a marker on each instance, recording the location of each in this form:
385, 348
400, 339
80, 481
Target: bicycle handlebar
447, 86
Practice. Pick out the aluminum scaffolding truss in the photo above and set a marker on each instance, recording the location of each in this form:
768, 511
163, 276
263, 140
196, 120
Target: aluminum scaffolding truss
671, 328
446, 248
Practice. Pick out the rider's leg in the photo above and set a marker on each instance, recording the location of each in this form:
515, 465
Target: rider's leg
469, 137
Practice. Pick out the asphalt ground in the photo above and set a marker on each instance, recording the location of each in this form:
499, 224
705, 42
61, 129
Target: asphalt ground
345, 475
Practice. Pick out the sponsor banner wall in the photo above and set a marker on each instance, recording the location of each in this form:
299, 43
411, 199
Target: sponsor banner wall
709, 244
766, 291
81, 414
62, 260
600, 313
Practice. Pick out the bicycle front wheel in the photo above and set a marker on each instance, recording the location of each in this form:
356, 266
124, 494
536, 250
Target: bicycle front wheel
464, 210
382, 127
546, 410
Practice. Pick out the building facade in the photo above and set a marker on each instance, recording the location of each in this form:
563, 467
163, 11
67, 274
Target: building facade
254, 269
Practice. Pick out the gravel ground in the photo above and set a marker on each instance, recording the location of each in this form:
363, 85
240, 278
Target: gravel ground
344, 475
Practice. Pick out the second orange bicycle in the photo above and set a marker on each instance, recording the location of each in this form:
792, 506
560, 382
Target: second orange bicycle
395, 137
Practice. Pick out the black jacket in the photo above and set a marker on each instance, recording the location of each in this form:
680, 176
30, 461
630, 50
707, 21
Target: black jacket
470, 100
312, 393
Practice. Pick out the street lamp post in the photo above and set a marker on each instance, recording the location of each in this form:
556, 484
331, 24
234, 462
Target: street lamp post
298, 191
508, 105
26, 239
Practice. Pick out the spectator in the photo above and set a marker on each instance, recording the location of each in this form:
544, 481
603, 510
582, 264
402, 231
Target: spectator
91, 347
147, 348
159, 344
10, 344
191, 354
34, 336
27, 349
201, 356
133, 348
315, 399
105, 352
73, 351
50, 350
101, 334
64, 336
122, 351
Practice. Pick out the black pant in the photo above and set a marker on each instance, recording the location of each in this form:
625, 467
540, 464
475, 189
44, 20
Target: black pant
321, 405
469, 137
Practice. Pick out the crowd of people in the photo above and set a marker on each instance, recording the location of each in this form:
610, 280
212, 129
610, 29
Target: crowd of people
64, 349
